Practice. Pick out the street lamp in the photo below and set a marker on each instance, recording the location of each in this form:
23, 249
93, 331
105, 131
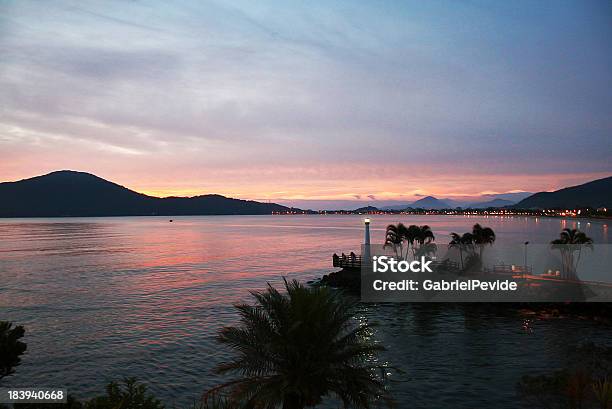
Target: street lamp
366, 221
525, 265
365, 254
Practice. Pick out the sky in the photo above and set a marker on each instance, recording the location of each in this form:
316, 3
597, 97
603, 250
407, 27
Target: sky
319, 104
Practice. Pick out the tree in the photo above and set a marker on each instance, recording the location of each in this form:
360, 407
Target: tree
463, 243
394, 237
425, 235
416, 237
411, 235
570, 241
293, 349
128, 395
482, 236
11, 348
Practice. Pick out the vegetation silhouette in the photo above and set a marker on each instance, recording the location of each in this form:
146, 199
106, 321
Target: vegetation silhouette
569, 242
418, 240
394, 237
482, 236
467, 244
127, 394
294, 349
463, 243
11, 348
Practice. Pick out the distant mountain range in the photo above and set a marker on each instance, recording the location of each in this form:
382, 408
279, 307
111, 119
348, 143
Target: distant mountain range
497, 203
430, 202
595, 194
70, 193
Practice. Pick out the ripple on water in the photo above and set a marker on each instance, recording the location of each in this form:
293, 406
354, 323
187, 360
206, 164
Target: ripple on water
106, 298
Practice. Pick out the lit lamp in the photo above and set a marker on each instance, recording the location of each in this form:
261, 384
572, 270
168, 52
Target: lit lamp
366, 244
525, 265
366, 221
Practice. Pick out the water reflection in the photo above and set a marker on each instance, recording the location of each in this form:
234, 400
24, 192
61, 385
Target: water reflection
144, 297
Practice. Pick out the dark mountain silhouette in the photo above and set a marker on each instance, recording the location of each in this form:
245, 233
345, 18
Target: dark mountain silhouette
430, 202
513, 197
396, 207
490, 203
366, 209
70, 193
595, 194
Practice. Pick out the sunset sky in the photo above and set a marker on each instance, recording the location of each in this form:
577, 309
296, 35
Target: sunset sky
322, 103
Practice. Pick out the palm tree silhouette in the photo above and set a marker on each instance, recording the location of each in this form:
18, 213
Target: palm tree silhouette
293, 349
11, 348
394, 237
421, 235
425, 235
463, 243
570, 241
482, 236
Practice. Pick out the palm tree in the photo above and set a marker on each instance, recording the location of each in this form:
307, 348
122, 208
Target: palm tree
463, 243
11, 348
570, 241
423, 236
394, 237
482, 237
411, 235
293, 349
427, 250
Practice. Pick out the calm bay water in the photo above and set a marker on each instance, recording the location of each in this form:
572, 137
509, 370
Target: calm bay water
104, 298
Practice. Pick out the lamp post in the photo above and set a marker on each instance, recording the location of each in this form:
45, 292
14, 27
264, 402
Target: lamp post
365, 257
525, 265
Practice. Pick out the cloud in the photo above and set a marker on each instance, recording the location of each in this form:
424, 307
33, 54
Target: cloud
344, 100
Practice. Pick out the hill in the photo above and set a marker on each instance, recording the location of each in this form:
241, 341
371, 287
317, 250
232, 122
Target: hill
366, 209
70, 193
490, 203
430, 202
595, 194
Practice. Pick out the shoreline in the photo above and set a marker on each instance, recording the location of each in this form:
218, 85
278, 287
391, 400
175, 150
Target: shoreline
577, 218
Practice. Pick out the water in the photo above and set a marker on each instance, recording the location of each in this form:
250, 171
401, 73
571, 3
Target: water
104, 298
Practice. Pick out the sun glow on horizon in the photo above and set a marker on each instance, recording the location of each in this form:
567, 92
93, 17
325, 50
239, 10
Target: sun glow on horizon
298, 102
374, 192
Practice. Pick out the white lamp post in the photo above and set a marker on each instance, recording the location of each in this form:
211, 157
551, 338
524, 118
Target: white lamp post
525, 267
365, 257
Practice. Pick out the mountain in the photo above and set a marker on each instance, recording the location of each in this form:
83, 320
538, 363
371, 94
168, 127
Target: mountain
430, 202
366, 209
396, 207
513, 197
70, 193
595, 194
490, 203
452, 203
